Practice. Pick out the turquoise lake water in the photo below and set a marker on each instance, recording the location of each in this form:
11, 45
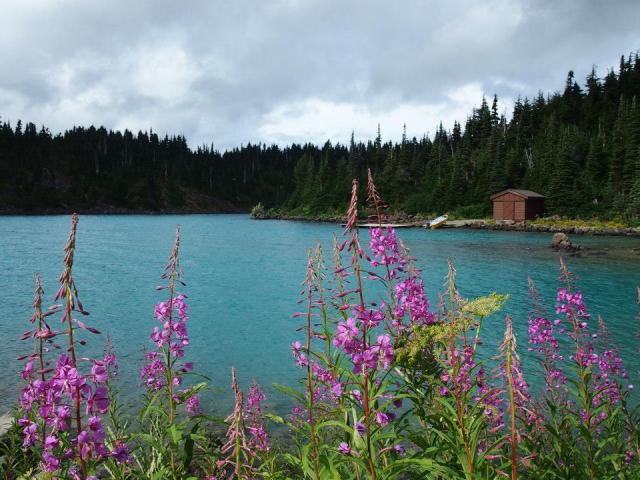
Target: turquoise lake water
243, 280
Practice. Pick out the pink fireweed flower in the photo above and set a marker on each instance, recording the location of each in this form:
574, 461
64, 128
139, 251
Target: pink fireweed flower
384, 418
259, 436
542, 340
51, 442
27, 371
98, 400
369, 318
399, 449
385, 350
99, 372
67, 377
610, 372
193, 404
321, 374
462, 363
50, 462
181, 306
412, 300
365, 360
61, 418
357, 395
384, 247
344, 448
153, 372
541, 333
337, 388
346, 336
571, 304
513, 379
120, 453
110, 360
30, 433
161, 311
301, 358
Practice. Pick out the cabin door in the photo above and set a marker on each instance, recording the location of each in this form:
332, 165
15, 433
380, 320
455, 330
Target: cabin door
509, 210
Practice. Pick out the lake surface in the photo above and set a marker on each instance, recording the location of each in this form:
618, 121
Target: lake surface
243, 280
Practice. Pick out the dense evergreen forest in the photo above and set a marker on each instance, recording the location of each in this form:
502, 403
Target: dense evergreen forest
580, 147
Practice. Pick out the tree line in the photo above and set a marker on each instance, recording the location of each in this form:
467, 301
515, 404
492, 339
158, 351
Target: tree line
580, 147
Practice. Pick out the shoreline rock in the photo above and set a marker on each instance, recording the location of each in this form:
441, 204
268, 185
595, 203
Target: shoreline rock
481, 224
561, 241
544, 228
5, 423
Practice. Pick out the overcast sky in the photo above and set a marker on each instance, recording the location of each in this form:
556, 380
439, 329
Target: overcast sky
280, 71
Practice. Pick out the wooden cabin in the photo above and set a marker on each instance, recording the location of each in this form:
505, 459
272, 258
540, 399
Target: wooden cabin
517, 205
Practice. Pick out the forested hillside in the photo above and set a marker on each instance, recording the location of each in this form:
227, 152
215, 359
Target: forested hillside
580, 147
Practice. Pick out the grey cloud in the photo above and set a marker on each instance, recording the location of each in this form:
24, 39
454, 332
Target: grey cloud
216, 71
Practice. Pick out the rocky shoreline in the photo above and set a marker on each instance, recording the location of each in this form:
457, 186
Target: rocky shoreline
415, 222
481, 224
545, 228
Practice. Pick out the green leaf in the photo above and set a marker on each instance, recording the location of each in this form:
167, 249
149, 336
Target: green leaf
174, 434
188, 446
275, 418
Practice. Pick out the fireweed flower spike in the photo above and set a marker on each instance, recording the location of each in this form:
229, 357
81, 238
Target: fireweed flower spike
236, 450
374, 198
352, 214
43, 331
542, 339
34, 393
383, 243
161, 369
310, 387
259, 435
67, 375
597, 371
610, 370
459, 364
517, 389
69, 398
356, 254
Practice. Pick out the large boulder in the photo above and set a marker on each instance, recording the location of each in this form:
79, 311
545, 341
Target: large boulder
561, 240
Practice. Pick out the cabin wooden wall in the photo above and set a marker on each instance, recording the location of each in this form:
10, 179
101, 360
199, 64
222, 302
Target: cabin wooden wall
498, 210
509, 207
514, 207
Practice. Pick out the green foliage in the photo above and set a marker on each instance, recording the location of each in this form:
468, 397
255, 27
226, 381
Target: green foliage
258, 212
484, 306
15, 462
